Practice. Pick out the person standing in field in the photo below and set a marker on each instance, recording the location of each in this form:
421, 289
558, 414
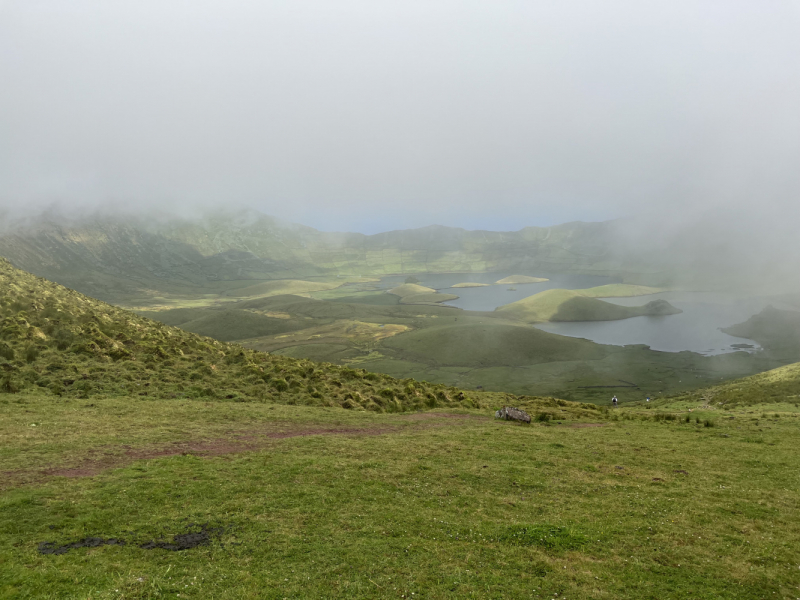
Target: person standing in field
614, 400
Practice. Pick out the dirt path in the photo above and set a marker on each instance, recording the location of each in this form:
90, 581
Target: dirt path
97, 460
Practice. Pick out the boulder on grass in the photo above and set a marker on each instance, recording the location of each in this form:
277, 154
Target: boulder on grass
512, 414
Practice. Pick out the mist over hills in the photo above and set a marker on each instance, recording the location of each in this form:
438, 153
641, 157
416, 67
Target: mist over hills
117, 257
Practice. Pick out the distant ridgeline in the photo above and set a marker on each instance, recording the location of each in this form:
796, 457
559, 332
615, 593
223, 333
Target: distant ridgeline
115, 257
58, 341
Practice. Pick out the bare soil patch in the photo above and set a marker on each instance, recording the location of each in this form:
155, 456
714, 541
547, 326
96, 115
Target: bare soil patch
97, 460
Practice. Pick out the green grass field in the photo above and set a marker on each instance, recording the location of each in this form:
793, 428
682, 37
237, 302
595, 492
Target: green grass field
304, 502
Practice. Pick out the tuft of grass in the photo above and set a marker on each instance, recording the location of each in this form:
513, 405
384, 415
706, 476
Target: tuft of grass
551, 537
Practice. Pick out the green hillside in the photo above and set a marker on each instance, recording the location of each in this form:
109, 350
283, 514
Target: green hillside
489, 344
63, 343
580, 305
777, 386
142, 261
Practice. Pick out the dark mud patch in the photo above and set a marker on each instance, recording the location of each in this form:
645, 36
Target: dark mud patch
186, 541
194, 536
89, 542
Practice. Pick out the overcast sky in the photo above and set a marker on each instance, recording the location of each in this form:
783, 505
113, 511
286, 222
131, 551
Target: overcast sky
375, 115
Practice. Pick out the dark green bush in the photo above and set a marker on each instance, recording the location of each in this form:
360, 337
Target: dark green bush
31, 353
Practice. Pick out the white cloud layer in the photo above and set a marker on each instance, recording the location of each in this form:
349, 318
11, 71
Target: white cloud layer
365, 115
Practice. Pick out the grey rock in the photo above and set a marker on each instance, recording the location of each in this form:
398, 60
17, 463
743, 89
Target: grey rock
512, 414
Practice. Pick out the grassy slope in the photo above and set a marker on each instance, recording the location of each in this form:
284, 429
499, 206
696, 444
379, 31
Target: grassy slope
225, 325
66, 344
577, 305
452, 506
776, 386
490, 344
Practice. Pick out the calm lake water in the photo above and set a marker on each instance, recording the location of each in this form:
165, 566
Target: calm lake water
696, 329
489, 298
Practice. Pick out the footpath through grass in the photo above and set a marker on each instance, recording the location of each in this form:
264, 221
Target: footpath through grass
448, 504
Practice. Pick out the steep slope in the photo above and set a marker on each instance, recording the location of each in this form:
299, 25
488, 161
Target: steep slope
56, 340
578, 305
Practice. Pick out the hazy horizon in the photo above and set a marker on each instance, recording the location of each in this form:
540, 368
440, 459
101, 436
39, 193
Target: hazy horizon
357, 116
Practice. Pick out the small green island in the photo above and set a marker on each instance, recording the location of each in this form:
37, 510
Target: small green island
470, 284
412, 293
580, 305
515, 279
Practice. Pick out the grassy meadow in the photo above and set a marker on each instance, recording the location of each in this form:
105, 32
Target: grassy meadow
315, 502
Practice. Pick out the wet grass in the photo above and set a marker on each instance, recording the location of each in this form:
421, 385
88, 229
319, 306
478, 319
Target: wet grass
431, 507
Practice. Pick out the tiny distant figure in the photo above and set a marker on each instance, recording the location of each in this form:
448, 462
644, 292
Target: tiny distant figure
648, 399
614, 400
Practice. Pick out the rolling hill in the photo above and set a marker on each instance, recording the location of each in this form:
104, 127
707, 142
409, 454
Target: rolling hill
59, 342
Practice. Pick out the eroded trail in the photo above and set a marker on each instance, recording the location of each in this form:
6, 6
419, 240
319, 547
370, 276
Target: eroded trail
96, 460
